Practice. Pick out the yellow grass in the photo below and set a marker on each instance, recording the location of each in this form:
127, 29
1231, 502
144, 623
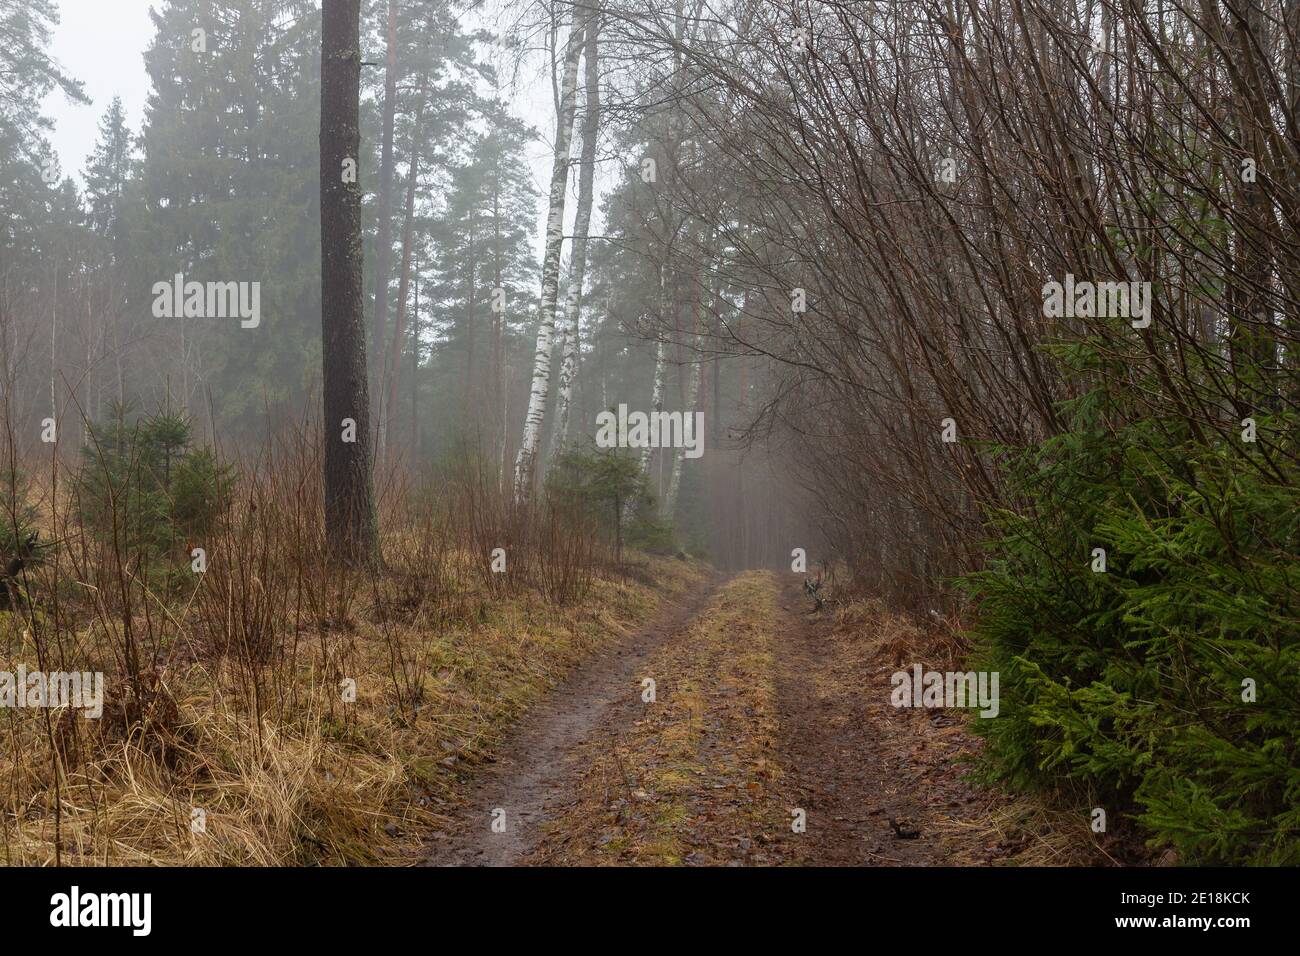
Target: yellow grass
283, 770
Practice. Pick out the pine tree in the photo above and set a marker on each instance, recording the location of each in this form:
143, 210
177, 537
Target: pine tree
27, 73
435, 102
32, 199
113, 202
108, 172
230, 157
350, 530
481, 242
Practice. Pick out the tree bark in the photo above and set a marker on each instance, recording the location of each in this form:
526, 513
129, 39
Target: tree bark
525, 462
578, 258
388, 413
470, 331
499, 405
384, 250
415, 369
656, 406
351, 534
679, 454
1250, 338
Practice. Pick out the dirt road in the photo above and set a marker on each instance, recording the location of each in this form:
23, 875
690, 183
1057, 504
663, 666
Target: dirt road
530, 780
738, 729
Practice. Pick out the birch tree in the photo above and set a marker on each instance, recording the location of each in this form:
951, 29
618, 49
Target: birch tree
578, 256
657, 390
525, 462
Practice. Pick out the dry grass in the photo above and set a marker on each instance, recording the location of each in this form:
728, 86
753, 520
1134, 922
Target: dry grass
225, 692
310, 779
900, 638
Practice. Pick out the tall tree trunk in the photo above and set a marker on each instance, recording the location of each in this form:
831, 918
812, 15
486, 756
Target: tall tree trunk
525, 462
384, 250
501, 418
1291, 269
742, 539
679, 454
559, 343
1251, 338
716, 376
415, 369
581, 227
351, 534
54, 334
388, 413
470, 332
656, 400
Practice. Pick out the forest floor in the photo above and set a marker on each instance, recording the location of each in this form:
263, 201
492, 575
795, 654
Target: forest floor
443, 672
763, 715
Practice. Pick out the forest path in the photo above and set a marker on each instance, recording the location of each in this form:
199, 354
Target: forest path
533, 774
880, 785
763, 713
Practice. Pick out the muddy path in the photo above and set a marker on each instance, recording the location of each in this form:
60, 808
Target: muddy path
766, 714
880, 786
534, 773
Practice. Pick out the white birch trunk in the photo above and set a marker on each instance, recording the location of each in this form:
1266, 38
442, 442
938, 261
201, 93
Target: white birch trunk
679, 454
525, 463
560, 344
656, 405
578, 256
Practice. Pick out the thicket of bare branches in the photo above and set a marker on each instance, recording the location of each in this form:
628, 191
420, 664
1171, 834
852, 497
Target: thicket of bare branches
920, 170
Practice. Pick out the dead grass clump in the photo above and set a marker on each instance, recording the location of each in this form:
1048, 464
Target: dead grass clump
937, 643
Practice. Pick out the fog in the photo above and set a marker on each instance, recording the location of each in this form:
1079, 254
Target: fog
367, 366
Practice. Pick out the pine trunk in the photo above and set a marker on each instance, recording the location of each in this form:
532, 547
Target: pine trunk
350, 530
389, 412
384, 245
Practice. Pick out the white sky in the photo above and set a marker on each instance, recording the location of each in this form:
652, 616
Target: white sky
102, 43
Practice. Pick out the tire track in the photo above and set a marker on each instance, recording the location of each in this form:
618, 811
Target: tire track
540, 759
